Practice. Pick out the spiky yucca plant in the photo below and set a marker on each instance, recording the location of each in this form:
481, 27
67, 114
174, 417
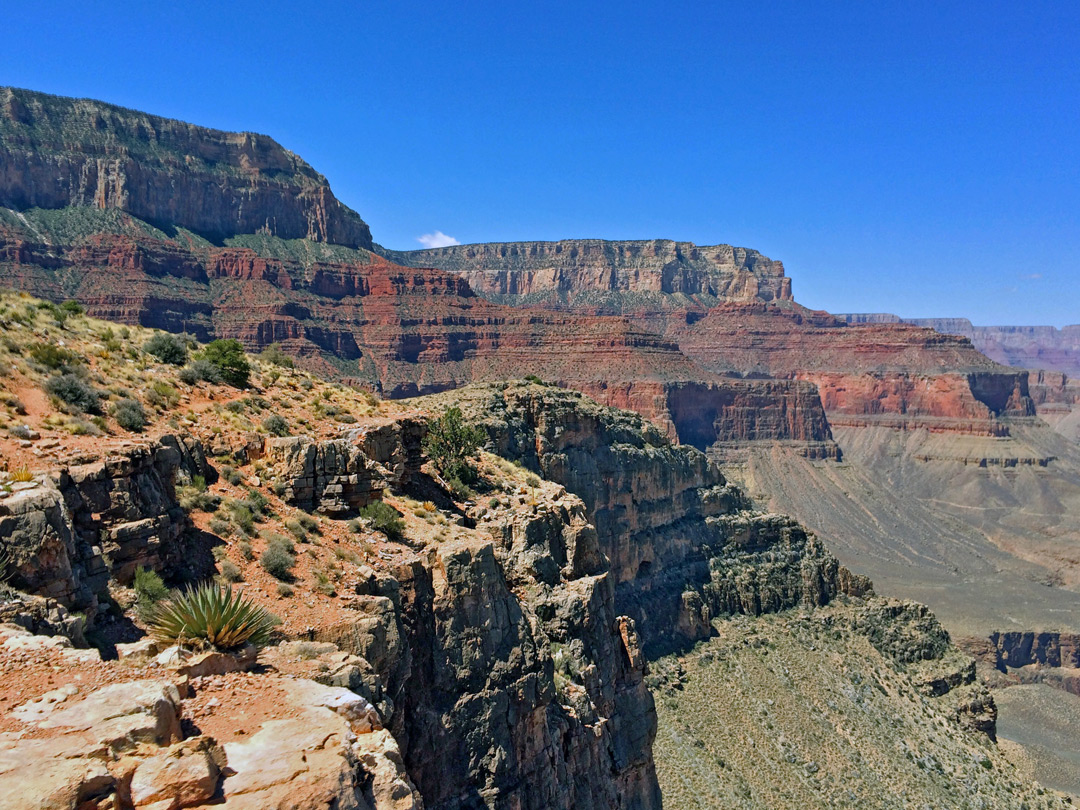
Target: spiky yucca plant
210, 615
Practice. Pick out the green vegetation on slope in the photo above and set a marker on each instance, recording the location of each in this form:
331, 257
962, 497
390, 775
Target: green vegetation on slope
798, 711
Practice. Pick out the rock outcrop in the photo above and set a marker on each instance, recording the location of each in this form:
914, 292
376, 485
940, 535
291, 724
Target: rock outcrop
339, 476
67, 535
57, 152
683, 545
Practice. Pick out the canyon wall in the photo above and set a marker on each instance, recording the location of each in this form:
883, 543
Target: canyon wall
607, 276
682, 543
1034, 347
57, 152
398, 330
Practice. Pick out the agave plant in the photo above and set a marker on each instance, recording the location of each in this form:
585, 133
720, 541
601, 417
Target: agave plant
210, 615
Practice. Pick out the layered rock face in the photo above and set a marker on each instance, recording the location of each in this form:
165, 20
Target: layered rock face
890, 369
57, 152
403, 331
606, 276
682, 544
1035, 347
339, 476
68, 535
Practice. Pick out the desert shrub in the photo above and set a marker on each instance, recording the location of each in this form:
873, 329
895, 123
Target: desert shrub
246, 551
72, 307
194, 499
274, 355
52, 356
73, 391
450, 444
162, 395
167, 348
211, 615
278, 559
231, 572
149, 590
129, 414
220, 527
236, 406
284, 590
20, 431
355, 526
229, 359
242, 517
232, 475
202, 370
384, 518
188, 375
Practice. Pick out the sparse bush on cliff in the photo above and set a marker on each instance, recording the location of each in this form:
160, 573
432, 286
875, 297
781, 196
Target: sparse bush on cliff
52, 356
228, 357
279, 558
384, 518
211, 615
72, 391
149, 590
167, 348
276, 425
451, 444
129, 414
275, 356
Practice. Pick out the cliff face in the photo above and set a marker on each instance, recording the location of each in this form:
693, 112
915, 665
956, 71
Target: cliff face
69, 535
1034, 347
608, 277
57, 152
402, 331
682, 544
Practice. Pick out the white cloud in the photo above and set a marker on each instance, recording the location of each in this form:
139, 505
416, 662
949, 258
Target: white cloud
1032, 276
437, 239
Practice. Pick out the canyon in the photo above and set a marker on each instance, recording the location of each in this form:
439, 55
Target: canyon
679, 405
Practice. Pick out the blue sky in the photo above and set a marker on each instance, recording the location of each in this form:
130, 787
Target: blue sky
918, 158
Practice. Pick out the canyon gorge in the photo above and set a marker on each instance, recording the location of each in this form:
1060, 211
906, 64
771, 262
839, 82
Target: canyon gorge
705, 511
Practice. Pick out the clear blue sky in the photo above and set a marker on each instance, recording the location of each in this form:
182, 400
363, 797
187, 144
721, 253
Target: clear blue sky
919, 158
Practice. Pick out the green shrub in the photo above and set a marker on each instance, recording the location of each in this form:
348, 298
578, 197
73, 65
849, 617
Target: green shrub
228, 357
276, 425
450, 444
274, 355
167, 348
278, 559
242, 517
246, 551
201, 370
231, 572
72, 307
71, 390
52, 356
129, 414
384, 518
149, 590
162, 395
222, 528
211, 615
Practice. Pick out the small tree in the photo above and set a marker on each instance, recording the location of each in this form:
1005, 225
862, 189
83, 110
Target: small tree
229, 359
450, 444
